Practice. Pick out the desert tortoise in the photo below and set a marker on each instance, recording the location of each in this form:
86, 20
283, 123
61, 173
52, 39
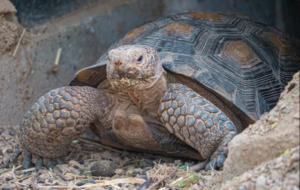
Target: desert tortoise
182, 86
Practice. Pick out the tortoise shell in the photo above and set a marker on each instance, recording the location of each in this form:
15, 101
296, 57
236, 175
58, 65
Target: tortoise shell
245, 63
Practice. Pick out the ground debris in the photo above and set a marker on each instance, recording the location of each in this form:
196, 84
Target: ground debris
130, 170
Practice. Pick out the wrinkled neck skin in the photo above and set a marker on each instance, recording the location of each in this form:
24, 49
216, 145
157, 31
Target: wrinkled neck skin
147, 93
148, 99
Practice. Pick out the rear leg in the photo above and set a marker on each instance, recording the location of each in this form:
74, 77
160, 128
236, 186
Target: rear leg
197, 122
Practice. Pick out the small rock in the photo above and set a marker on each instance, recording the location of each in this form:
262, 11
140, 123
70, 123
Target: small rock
81, 162
60, 183
129, 172
103, 168
142, 177
74, 171
5, 166
91, 180
149, 162
245, 177
5, 188
138, 170
74, 163
41, 181
6, 136
106, 155
296, 115
8, 177
80, 183
119, 171
177, 162
283, 106
12, 132
261, 182
295, 157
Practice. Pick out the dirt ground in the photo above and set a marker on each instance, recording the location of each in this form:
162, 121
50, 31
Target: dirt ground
88, 161
90, 165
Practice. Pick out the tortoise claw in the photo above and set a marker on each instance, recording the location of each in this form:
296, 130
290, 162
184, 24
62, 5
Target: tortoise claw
27, 161
59, 161
220, 159
211, 164
16, 154
49, 163
38, 163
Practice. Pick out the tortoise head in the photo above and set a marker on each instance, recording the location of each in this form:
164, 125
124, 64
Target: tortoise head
133, 67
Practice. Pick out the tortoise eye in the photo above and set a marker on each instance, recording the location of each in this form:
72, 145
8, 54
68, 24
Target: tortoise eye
139, 59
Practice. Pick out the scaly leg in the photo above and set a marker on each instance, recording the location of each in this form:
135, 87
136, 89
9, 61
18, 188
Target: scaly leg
197, 122
57, 118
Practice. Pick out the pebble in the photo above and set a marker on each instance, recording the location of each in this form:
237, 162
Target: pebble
91, 180
261, 182
41, 181
81, 162
73, 170
103, 168
80, 183
12, 132
74, 163
6, 136
5, 166
283, 106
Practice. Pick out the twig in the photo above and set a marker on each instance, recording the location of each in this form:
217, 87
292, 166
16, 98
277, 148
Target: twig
179, 179
50, 174
57, 56
199, 166
4, 171
24, 178
19, 42
98, 144
62, 176
21, 184
170, 186
162, 179
20, 166
28, 170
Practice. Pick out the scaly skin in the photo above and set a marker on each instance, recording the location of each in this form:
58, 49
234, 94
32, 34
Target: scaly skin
60, 116
197, 122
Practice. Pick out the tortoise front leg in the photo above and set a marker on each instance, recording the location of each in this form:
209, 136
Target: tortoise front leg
59, 117
197, 122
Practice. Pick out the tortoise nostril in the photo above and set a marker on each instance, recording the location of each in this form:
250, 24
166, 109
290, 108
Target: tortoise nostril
118, 63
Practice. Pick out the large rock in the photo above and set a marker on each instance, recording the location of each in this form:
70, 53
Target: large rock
7, 7
280, 173
269, 137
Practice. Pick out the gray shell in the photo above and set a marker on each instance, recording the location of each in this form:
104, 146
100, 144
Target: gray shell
245, 63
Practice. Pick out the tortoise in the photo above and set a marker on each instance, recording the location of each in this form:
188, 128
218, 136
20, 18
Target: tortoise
182, 86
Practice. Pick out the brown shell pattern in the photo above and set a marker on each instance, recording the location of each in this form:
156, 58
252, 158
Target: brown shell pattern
246, 62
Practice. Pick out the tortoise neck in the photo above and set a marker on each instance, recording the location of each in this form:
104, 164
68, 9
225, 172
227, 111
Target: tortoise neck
148, 99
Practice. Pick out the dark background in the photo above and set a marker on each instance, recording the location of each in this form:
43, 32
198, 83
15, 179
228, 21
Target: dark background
282, 14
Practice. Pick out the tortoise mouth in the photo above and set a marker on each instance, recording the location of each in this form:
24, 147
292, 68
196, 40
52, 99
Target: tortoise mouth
126, 83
